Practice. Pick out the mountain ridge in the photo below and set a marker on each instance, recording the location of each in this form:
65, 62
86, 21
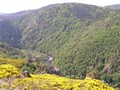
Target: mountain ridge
7, 16
114, 6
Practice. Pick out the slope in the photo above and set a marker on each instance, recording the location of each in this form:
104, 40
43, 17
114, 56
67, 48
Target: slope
45, 81
7, 51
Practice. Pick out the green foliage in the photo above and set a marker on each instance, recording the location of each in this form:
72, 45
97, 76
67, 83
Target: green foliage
107, 78
7, 51
33, 67
28, 67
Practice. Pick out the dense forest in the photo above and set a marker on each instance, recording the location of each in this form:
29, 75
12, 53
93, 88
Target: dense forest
84, 40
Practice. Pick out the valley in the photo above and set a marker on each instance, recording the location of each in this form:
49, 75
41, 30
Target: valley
78, 40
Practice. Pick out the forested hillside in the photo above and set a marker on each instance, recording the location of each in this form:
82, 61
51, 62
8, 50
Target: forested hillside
7, 51
84, 40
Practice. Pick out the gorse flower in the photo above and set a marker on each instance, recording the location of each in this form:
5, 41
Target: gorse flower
54, 82
8, 70
49, 82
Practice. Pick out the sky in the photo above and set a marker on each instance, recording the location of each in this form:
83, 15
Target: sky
11, 6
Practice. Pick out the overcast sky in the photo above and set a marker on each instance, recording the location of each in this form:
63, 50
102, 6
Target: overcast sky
10, 6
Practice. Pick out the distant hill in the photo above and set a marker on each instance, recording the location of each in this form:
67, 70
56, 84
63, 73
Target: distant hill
6, 16
116, 6
83, 39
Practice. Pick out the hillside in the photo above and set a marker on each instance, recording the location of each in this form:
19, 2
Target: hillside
6, 16
116, 6
83, 39
45, 81
7, 51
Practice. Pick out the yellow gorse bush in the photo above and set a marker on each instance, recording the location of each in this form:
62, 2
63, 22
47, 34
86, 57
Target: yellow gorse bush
14, 62
54, 82
8, 70
47, 82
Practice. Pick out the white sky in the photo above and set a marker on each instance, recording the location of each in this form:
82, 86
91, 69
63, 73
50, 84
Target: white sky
9, 6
